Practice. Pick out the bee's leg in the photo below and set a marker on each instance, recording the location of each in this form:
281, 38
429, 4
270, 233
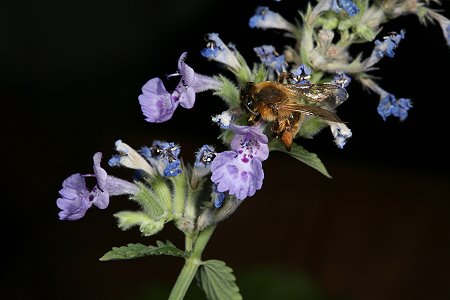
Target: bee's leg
277, 128
287, 138
290, 131
253, 119
283, 76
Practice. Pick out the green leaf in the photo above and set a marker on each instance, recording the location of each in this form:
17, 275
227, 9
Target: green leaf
217, 281
147, 225
298, 152
229, 92
132, 251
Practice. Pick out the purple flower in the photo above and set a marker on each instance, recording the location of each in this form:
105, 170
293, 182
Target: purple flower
192, 83
76, 198
158, 105
239, 171
396, 107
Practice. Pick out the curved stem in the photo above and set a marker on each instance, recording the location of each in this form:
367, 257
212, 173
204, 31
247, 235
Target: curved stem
191, 264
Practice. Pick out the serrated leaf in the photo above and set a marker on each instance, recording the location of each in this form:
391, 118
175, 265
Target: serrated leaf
132, 251
147, 226
300, 153
217, 281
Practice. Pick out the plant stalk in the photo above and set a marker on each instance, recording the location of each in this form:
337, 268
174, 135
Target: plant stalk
191, 265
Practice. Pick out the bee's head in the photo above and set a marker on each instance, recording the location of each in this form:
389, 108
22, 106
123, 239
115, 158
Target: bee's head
247, 97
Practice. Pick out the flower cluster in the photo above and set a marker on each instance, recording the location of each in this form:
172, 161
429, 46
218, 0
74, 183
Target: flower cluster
272, 103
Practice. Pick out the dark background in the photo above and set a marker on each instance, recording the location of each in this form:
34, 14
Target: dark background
71, 72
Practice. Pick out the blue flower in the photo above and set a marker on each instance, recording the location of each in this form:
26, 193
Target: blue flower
264, 18
347, 5
217, 50
389, 44
204, 156
389, 105
76, 198
341, 133
218, 197
341, 80
239, 171
271, 59
384, 48
300, 74
163, 156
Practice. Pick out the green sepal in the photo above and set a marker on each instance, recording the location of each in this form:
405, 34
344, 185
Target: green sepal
149, 201
243, 73
132, 251
162, 191
259, 73
229, 92
311, 126
217, 281
365, 32
147, 226
298, 152
179, 184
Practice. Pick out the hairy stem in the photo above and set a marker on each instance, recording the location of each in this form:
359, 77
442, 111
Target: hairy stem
191, 264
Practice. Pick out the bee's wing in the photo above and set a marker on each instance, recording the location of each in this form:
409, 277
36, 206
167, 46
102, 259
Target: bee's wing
310, 110
325, 94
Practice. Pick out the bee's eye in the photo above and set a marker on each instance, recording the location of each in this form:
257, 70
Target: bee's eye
250, 104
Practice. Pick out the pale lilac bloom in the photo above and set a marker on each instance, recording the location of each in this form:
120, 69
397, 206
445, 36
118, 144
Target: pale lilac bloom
192, 83
264, 18
239, 171
217, 50
389, 105
158, 105
76, 198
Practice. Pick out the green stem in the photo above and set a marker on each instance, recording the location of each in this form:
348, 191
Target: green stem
191, 265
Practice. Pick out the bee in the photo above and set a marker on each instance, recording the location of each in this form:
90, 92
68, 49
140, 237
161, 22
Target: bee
287, 105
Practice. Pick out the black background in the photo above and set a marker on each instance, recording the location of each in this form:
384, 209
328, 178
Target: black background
71, 72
